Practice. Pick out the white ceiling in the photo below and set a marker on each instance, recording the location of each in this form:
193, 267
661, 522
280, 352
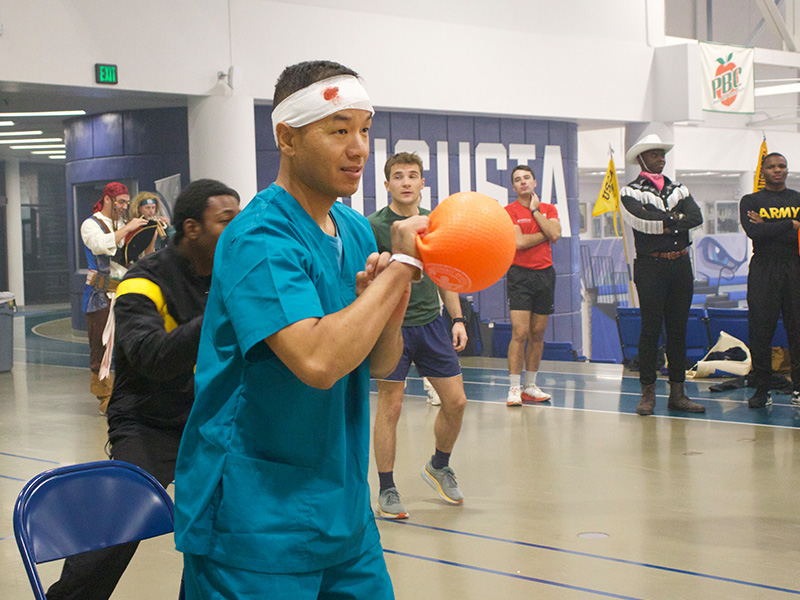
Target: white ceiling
24, 98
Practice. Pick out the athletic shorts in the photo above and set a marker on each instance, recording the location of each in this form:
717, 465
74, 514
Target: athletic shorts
430, 348
363, 577
533, 290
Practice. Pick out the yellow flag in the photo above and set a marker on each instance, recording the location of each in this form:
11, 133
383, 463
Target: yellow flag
608, 199
758, 181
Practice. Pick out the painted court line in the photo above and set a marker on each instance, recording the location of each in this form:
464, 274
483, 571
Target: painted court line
52, 462
44, 351
586, 390
695, 419
591, 391
512, 575
601, 557
35, 330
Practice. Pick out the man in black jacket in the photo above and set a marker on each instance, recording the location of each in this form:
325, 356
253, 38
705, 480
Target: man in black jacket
771, 218
158, 313
661, 213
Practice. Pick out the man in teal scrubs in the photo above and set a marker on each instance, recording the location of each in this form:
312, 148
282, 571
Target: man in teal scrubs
271, 486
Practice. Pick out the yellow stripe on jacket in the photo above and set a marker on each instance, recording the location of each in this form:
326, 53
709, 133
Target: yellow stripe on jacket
145, 287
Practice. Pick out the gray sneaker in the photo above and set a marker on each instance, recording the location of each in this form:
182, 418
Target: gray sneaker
795, 398
443, 481
389, 506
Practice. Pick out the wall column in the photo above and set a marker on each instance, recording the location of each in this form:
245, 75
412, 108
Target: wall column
16, 278
746, 179
222, 141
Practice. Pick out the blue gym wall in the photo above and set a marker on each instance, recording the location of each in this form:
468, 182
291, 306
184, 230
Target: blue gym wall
147, 145
565, 324
142, 145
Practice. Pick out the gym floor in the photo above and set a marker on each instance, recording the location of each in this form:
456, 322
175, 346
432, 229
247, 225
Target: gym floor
576, 498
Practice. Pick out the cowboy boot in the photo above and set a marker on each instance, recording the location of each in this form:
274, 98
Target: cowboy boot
102, 388
679, 401
647, 403
95, 386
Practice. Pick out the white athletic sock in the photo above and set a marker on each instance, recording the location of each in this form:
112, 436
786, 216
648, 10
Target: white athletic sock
515, 380
530, 378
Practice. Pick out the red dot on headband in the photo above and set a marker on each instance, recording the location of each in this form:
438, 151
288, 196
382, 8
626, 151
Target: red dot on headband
330, 93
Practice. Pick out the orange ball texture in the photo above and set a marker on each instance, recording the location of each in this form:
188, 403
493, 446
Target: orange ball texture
470, 245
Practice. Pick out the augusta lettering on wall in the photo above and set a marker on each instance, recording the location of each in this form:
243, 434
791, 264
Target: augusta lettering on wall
551, 186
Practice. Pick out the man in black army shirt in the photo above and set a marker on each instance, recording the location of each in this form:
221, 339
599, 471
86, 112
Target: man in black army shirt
771, 218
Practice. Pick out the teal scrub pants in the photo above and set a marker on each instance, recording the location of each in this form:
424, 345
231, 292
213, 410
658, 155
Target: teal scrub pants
363, 577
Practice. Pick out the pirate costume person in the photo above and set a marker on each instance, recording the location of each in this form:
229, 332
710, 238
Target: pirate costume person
103, 238
153, 236
661, 213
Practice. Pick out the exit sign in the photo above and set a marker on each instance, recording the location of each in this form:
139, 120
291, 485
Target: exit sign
106, 74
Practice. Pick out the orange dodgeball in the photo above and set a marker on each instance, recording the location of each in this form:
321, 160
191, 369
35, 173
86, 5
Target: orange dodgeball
470, 245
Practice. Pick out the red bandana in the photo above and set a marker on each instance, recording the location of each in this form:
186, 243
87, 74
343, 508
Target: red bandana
112, 190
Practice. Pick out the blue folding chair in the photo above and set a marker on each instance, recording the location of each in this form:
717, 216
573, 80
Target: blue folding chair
629, 326
559, 351
781, 338
78, 508
732, 321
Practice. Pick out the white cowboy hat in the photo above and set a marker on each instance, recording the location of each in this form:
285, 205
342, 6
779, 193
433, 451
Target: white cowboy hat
648, 142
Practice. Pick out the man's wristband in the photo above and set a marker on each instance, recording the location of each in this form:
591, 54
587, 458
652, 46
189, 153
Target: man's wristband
535, 210
458, 320
408, 260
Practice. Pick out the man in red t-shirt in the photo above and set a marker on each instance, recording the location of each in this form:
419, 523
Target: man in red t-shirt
531, 284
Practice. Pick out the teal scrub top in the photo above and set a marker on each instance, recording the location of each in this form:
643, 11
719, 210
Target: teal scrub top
272, 474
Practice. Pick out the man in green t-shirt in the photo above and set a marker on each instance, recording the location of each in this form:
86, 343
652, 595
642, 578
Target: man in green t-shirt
429, 342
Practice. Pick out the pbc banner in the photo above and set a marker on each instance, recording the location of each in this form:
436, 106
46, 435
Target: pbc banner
728, 79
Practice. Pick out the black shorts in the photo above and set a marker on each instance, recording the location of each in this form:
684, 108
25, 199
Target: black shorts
533, 290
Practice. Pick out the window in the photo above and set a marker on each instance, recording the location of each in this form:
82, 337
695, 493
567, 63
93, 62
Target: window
597, 227
727, 217
582, 221
709, 217
608, 224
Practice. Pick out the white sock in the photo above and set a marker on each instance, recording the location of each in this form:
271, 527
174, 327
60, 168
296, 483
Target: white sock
515, 380
530, 378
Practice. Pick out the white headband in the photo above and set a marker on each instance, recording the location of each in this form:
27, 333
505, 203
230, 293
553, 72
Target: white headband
320, 100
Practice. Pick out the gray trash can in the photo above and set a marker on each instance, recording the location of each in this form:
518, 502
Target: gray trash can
6, 331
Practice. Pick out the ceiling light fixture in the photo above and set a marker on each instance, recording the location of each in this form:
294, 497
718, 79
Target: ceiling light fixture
38, 146
45, 113
48, 151
30, 141
58, 156
11, 133
6, 123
